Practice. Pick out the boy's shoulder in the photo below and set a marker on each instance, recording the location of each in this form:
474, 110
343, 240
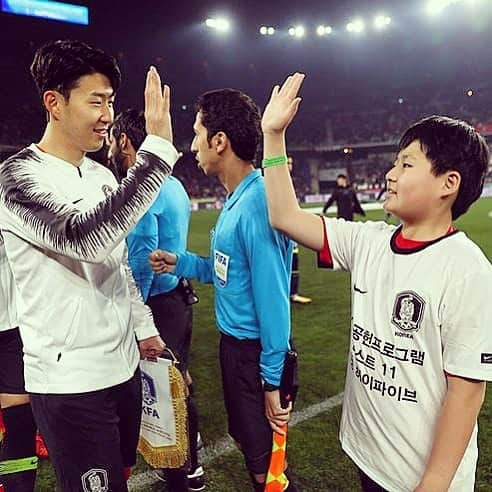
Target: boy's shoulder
465, 255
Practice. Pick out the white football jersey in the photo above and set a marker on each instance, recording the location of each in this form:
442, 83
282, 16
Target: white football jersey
416, 315
8, 314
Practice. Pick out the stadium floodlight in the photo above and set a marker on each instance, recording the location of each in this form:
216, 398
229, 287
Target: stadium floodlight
356, 26
323, 30
469, 92
381, 22
297, 31
218, 23
267, 30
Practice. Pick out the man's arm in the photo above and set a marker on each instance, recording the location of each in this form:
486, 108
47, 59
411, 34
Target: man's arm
458, 417
189, 265
284, 211
149, 341
330, 201
32, 210
141, 242
357, 206
266, 251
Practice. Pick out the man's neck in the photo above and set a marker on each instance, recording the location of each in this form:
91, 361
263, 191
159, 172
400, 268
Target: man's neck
56, 144
234, 171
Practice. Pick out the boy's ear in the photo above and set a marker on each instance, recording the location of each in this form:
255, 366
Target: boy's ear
452, 181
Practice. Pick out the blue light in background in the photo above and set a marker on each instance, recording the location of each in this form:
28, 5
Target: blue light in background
47, 9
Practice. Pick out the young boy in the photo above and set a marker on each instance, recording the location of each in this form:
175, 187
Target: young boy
421, 348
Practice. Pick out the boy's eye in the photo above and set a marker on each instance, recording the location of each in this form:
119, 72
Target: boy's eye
405, 164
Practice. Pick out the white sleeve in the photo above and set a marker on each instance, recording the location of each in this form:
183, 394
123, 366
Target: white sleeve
143, 321
342, 239
31, 209
466, 331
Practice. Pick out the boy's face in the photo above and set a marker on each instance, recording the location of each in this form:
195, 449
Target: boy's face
413, 191
88, 113
205, 154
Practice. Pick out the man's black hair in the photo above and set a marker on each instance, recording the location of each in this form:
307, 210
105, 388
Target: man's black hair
58, 65
237, 115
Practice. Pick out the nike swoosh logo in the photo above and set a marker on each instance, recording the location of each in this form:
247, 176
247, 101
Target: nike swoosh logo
359, 290
77, 201
486, 358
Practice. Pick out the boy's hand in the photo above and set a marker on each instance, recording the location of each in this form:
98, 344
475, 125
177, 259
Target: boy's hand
283, 105
157, 107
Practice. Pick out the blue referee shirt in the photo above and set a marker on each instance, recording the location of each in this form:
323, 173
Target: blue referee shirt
164, 226
249, 265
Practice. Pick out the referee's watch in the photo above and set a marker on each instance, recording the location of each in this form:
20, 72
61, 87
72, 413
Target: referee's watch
270, 387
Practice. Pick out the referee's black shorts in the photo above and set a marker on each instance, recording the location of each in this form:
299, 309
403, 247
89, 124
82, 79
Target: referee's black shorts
11, 362
244, 401
173, 318
91, 437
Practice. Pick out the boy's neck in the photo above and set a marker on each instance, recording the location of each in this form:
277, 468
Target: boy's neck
56, 144
426, 231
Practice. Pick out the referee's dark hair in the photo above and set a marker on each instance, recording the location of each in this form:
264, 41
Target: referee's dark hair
58, 65
131, 122
234, 113
452, 145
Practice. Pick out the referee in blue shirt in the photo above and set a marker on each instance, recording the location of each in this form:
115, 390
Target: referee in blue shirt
165, 225
249, 265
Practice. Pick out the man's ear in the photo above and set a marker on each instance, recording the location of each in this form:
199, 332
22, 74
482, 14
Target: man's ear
54, 102
451, 183
124, 143
220, 141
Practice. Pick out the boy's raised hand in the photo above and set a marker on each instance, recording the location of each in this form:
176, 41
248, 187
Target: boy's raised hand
283, 105
157, 106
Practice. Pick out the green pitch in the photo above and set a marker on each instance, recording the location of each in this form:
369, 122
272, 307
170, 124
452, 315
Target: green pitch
321, 333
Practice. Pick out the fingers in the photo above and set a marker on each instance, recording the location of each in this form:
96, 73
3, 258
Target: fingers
276, 427
166, 96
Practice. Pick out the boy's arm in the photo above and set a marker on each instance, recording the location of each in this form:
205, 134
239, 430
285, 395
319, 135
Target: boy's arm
454, 428
284, 211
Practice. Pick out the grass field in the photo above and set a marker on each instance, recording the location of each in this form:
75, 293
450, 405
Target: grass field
322, 335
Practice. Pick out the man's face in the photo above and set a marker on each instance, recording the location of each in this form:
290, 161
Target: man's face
88, 113
205, 154
116, 156
342, 182
413, 191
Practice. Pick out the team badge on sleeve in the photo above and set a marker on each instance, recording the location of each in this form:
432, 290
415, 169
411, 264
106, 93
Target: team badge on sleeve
408, 311
95, 480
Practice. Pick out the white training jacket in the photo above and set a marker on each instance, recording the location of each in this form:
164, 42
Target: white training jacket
8, 314
79, 310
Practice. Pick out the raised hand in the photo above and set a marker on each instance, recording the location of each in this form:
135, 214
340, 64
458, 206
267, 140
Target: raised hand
162, 261
157, 106
283, 105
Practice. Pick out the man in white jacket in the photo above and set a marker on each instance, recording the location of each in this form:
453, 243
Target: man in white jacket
64, 219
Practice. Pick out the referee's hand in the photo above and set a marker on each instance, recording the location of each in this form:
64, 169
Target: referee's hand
162, 261
276, 415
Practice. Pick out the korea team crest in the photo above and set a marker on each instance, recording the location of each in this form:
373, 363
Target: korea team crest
408, 311
95, 480
149, 394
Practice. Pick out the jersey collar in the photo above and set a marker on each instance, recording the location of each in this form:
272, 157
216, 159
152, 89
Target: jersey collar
241, 188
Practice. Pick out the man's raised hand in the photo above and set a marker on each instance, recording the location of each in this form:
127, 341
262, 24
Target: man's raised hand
283, 105
157, 106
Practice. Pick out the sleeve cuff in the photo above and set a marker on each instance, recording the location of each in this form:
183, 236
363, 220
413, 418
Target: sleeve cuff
147, 331
162, 148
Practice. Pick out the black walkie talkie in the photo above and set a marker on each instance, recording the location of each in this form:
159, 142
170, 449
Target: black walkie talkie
288, 382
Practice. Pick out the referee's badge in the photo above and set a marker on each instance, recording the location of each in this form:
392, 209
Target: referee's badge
408, 311
221, 266
95, 480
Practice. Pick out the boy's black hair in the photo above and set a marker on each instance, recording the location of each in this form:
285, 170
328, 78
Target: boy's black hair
132, 123
452, 145
234, 113
58, 65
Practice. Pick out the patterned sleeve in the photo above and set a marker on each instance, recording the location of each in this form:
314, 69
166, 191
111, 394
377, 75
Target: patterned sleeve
31, 209
143, 322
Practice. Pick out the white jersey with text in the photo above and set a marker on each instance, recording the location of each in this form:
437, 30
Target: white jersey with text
8, 313
64, 228
416, 315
